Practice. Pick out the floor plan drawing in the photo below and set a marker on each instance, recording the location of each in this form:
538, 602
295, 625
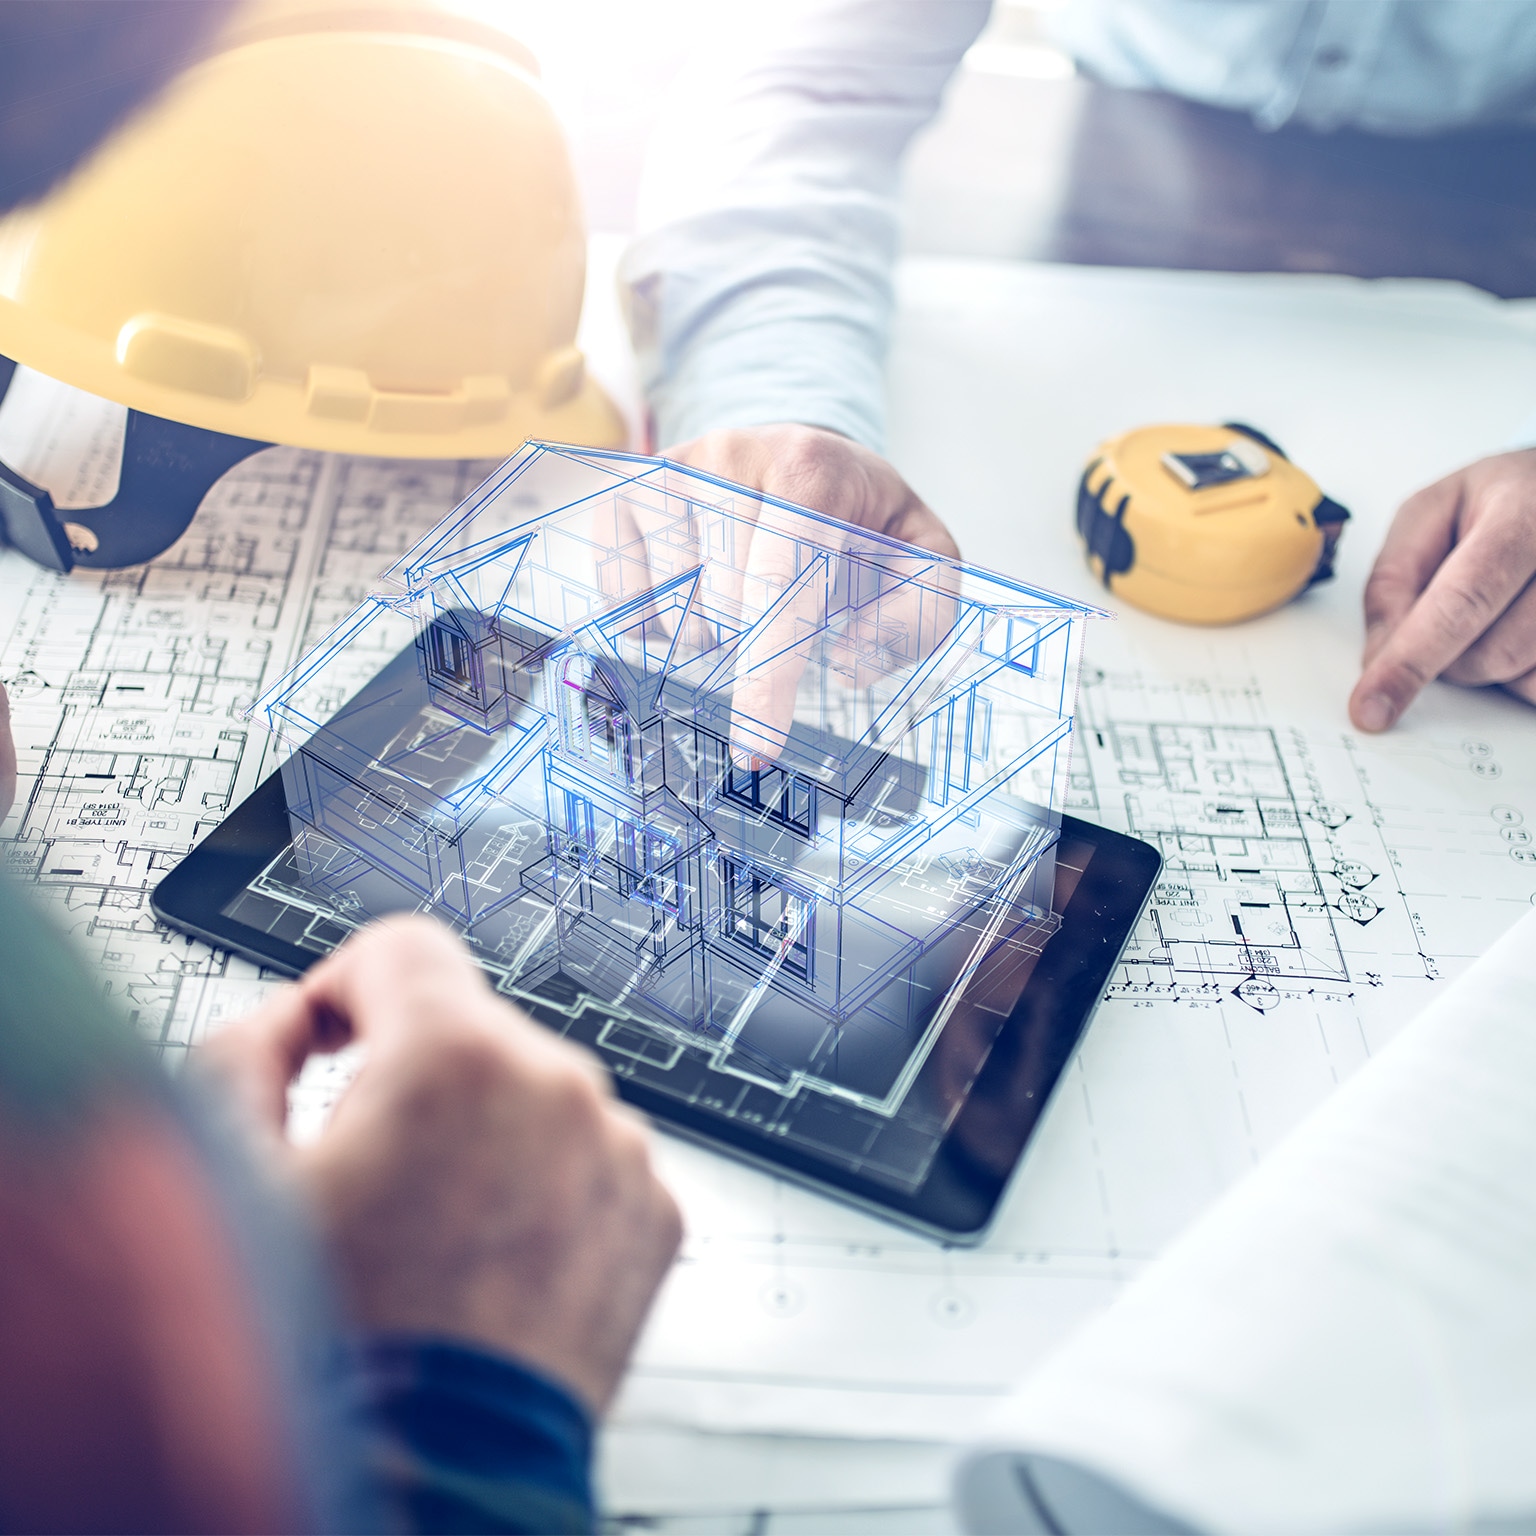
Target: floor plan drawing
788, 1313
1292, 862
1317, 886
1247, 875
129, 690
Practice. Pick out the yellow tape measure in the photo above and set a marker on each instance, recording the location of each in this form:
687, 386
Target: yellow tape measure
1208, 525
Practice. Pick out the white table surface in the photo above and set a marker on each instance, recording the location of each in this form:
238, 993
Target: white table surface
1002, 378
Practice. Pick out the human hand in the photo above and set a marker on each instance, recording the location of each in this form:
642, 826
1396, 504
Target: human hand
1451, 593
7, 756
822, 470
828, 473
477, 1179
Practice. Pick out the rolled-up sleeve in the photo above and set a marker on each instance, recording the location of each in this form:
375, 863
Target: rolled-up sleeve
760, 287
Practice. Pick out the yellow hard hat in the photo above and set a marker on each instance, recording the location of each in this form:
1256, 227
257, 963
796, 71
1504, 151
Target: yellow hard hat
350, 227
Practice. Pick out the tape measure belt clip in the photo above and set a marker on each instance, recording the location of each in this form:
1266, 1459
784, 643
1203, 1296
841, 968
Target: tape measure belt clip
1330, 516
1103, 532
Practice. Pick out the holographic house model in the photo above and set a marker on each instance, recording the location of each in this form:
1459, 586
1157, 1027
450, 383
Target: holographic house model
761, 788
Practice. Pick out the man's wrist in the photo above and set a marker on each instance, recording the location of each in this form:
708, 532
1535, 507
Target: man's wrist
781, 370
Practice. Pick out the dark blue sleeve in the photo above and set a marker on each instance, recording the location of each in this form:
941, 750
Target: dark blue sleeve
470, 1441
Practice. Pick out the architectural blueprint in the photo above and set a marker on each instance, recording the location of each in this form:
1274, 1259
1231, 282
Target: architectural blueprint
1317, 886
788, 1311
128, 693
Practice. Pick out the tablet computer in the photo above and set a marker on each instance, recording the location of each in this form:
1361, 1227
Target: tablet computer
919, 1113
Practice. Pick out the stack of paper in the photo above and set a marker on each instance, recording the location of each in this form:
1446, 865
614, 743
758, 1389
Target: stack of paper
1347, 1341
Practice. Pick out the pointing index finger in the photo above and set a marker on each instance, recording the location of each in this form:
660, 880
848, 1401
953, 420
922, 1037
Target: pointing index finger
1421, 536
787, 585
1477, 581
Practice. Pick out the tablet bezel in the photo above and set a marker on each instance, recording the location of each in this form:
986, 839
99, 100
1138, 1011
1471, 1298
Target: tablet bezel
961, 1192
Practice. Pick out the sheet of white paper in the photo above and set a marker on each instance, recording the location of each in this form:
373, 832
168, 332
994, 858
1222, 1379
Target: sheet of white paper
1378, 868
1395, 861
650, 1472
127, 697
1384, 865
1347, 1341
67, 442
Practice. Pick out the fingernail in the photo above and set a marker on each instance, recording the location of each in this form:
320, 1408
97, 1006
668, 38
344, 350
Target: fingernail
1375, 713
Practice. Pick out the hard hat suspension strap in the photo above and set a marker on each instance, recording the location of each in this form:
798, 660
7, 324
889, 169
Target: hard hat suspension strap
168, 469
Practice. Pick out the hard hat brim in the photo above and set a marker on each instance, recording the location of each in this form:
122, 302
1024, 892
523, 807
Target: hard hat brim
277, 410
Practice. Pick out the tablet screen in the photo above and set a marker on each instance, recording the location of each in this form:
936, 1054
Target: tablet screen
727, 1033
919, 1100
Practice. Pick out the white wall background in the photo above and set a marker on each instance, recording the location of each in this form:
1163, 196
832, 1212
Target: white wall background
979, 181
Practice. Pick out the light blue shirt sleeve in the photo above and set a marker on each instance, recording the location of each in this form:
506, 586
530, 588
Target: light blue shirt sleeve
1402, 67
760, 288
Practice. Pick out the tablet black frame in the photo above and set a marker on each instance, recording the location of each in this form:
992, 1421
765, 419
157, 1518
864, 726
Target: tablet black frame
959, 1197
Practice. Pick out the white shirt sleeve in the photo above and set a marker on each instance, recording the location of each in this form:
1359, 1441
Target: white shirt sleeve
760, 288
